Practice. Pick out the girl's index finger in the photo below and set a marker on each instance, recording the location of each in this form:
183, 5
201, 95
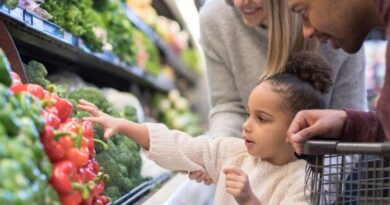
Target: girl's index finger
87, 108
84, 102
233, 170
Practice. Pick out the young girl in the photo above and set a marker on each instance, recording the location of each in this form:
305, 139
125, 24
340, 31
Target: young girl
260, 168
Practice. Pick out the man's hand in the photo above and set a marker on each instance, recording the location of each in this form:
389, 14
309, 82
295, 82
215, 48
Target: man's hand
313, 123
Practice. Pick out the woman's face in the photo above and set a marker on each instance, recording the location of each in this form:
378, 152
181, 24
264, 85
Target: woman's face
252, 12
266, 126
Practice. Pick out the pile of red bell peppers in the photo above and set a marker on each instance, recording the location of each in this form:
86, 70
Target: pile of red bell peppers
69, 144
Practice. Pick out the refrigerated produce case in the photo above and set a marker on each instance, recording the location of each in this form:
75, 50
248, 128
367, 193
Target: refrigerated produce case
39, 39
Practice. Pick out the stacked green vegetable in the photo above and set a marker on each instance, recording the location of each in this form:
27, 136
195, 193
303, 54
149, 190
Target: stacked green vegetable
81, 17
121, 161
25, 168
9, 3
77, 17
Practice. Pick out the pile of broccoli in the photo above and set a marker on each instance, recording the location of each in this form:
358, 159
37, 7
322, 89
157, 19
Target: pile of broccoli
36, 73
121, 161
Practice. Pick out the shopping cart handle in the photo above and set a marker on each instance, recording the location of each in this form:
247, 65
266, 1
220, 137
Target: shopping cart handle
321, 147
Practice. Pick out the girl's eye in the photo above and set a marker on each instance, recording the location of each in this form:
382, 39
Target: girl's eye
262, 119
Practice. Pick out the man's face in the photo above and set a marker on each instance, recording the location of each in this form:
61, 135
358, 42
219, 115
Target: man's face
335, 20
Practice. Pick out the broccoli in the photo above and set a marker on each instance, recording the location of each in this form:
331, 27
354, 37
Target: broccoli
128, 153
37, 73
123, 170
93, 95
112, 192
11, 3
130, 113
110, 167
126, 185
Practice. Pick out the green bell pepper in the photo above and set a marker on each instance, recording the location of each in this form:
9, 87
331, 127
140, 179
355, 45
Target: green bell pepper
9, 119
5, 69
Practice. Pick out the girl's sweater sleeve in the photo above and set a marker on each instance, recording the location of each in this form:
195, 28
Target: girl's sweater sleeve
176, 150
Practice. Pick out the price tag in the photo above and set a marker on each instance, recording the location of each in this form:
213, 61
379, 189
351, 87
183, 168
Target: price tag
37, 23
17, 13
68, 37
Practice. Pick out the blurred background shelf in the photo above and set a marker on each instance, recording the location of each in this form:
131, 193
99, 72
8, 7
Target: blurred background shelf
171, 58
42, 40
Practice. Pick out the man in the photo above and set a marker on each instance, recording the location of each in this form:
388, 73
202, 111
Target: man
345, 23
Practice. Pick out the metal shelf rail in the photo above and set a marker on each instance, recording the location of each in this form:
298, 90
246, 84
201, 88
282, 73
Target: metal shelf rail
141, 190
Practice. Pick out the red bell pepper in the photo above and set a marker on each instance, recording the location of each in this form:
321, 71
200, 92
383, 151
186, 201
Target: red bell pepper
66, 180
75, 144
63, 106
50, 117
17, 88
100, 200
53, 149
34, 90
73, 198
62, 174
96, 189
87, 127
96, 166
79, 154
87, 172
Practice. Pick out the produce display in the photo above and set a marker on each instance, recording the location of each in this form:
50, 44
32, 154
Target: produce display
25, 168
69, 144
77, 17
49, 155
121, 161
169, 31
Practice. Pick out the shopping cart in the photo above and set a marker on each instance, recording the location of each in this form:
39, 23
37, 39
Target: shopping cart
347, 173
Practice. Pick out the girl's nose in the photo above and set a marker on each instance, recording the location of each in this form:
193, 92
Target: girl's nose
246, 126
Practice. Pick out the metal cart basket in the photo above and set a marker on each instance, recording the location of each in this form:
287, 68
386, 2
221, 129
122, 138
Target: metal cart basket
347, 173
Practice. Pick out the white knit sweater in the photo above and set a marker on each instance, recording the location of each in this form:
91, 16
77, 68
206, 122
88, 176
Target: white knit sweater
273, 185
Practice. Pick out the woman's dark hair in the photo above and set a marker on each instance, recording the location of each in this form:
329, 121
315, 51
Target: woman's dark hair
305, 79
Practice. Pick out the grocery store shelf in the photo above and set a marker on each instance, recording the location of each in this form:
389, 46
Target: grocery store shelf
43, 40
141, 190
172, 59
